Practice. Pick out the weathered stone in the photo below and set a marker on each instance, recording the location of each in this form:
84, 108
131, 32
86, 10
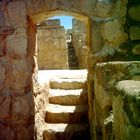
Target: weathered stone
68, 97
134, 33
136, 49
68, 83
36, 12
134, 12
120, 118
105, 78
5, 103
52, 47
53, 22
7, 133
16, 14
126, 110
79, 41
112, 32
17, 43
103, 9
20, 75
23, 134
2, 18
121, 8
63, 131
20, 108
2, 76
41, 101
66, 114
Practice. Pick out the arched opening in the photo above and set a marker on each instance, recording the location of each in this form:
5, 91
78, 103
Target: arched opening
75, 87
60, 36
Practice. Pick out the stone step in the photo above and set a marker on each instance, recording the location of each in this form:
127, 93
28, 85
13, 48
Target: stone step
66, 132
68, 97
73, 68
68, 83
66, 114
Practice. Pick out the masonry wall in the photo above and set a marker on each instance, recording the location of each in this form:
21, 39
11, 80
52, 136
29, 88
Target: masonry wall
110, 28
16, 68
51, 45
79, 32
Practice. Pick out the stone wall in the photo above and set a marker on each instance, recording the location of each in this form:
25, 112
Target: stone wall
106, 77
16, 68
114, 35
126, 110
132, 28
79, 32
51, 44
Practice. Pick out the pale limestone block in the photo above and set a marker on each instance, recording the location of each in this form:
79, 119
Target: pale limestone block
20, 108
17, 14
103, 9
112, 32
17, 43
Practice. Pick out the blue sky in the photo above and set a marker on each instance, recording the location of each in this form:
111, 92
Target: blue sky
66, 21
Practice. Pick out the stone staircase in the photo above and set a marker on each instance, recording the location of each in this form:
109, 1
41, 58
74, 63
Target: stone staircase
67, 110
72, 59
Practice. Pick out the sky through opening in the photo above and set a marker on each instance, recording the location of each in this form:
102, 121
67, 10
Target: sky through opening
66, 21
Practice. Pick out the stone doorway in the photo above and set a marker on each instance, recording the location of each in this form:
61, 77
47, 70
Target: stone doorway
55, 49
108, 32
45, 89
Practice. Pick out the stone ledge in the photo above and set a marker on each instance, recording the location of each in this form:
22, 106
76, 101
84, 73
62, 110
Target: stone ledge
126, 105
129, 88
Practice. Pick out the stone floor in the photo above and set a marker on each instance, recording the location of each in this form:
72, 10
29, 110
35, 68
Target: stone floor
46, 75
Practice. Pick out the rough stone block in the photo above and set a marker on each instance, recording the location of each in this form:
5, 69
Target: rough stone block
22, 107
134, 12
136, 49
23, 134
20, 75
5, 103
51, 47
112, 32
2, 76
103, 9
17, 14
106, 76
126, 106
53, 22
134, 33
6, 133
17, 43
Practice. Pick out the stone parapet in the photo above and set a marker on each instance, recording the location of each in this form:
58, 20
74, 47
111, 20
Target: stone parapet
105, 79
126, 106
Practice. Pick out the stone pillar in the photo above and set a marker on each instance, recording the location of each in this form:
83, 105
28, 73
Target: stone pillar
16, 96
